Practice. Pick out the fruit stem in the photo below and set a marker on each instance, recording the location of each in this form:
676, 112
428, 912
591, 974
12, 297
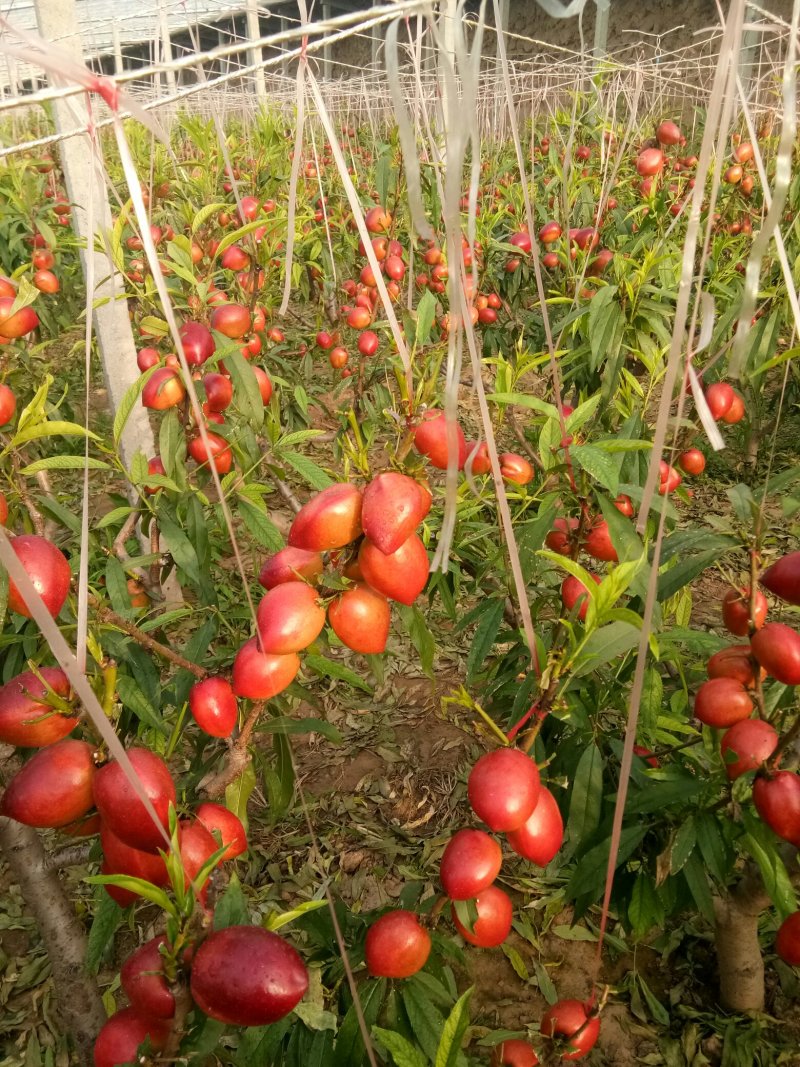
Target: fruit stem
238, 756
106, 615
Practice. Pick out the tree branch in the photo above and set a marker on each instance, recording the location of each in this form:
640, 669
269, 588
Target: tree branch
105, 614
237, 760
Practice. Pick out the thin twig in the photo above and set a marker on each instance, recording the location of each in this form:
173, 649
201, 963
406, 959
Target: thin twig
238, 757
106, 614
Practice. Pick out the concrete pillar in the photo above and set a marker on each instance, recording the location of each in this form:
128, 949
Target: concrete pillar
254, 54
327, 65
166, 45
601, 29
58, 22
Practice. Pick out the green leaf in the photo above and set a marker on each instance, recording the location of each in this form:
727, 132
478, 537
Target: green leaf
307, 469
180, 548
696, 878
421, 637
427, 1022
623, 533
107, 917
238, 793
246, 391
644, 910
586, 800
605, 317
662, 795
203, 214
111, 518
135, 885
485, 636
402, 1052
598, 465
172, 446
590, 874
453, 1033
65, 463
231, 908
682, 846
426, 316
260, 525
531, 535
329, 668
134, 700
128, 403
716, 854
761, 843
117, 587
286, 725
349, 1049
656, 1008
275, 920
524, 401
651, 705
605, 645
50, 429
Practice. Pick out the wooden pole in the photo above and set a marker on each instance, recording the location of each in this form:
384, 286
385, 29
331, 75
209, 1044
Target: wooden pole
254, 54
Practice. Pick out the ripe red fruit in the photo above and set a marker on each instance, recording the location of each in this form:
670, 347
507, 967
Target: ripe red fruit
119, 804
733, 175
540, 838
324, 340
8, 404
392, 510
478, 458
514, 1053
396, 945
598, 543
144, 983
777, 801
54, 788
399, 575
586, 237
777, 649
218, 449
431, 440
470, 863
570, 1021
264, 384
559, 540
735, 412
17, 325
212, 703
47, 568
734, 661
549, 233
119, 858
289, 618
197, 846
258, 675
783, 578
668, 133
198, 344
232, 320
330, 519
395, 268
24, 719
624, 505
45, 281
360, 618
572, 591
719, 398
368, 343
235, 258
377, 220
493, 925
736, 611
216, 817
247, 976
503, 788
290, 565
722, 702
219, 391
521, 240
692, 461
42, 259
649, 162
787, 942
746, 746
163, 389
515, 468
338, 357
3, 509
122, 1035
147, 358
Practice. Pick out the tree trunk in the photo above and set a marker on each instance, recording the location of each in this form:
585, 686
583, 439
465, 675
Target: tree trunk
78, 999
741, 967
